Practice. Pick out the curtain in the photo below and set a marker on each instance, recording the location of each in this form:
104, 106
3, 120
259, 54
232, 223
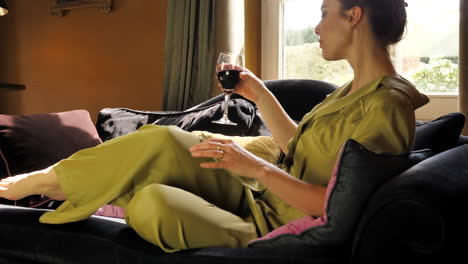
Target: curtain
463, 91
189, 53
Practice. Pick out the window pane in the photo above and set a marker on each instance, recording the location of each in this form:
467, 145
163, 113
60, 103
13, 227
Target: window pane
428, 55
302, 56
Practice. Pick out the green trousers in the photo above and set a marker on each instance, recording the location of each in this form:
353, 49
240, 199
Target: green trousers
170, 201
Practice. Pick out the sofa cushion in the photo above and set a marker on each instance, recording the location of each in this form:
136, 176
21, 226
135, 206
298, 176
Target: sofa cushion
109, 240
358, 173
439, 134
114, 122
34, 142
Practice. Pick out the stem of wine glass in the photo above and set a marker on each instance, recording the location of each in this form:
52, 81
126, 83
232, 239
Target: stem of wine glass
226, 102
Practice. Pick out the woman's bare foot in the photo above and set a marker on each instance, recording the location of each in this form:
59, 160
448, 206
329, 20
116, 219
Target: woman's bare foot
42, 182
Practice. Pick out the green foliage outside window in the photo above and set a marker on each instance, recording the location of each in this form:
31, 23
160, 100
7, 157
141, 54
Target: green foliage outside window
306, 62
303, 60
301, 36
439, 75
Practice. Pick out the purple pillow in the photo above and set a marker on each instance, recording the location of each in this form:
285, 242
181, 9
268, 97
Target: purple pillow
34, 142
358, 173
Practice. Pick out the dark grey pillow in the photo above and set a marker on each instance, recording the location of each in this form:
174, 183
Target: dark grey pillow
358, 174
33, 142
439, 134
114, 122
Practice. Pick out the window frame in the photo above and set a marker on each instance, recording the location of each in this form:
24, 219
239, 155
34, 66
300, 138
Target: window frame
272, 18
271, 50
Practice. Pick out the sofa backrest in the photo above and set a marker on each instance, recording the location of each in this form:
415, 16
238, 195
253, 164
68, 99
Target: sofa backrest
299, 96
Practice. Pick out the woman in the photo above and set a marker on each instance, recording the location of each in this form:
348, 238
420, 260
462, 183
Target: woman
199, 203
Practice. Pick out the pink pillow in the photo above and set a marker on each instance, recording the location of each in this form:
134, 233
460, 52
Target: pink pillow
299, 225
111, 211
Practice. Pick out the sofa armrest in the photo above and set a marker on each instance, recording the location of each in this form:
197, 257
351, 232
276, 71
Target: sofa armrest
420, 214
462, 140
405, 228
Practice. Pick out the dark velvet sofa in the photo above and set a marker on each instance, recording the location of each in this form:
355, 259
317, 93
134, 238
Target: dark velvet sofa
417, 216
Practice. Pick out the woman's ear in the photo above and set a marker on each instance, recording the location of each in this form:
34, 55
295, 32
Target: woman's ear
355, 15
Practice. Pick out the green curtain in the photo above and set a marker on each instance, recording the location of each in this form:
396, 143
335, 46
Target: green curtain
189, 69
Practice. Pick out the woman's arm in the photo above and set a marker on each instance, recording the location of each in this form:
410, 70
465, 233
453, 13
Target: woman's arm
282, 127
280, 124
306, 197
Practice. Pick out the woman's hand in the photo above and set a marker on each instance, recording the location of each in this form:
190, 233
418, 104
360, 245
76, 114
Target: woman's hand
250, 86
229, 156
304, 196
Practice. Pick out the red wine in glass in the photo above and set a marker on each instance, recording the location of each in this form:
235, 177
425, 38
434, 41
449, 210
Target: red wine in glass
228, 69
229, 79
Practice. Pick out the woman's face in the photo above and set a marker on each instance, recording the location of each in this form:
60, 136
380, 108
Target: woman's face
334, 31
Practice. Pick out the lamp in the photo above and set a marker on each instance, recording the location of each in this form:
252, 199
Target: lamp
11, 87
3, 8
8, 86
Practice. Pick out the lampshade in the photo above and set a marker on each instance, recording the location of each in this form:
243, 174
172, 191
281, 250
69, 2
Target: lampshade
3, 8
11, 87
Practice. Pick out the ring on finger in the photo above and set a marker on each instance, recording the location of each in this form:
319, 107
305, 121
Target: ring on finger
222, 155
218, 147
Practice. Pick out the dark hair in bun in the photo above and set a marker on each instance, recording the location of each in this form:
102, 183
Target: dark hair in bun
387, 17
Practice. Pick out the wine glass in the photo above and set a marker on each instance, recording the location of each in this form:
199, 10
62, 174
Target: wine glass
228, 68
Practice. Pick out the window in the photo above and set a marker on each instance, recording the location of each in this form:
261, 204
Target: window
427, 56
301, 54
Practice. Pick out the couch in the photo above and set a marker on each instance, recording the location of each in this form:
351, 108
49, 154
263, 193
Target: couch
416, 215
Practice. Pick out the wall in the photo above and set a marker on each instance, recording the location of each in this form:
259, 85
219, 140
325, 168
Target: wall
463, 91
253, 33
83, 60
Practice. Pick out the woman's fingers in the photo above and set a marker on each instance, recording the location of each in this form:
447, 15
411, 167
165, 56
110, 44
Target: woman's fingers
212, 148
219, 140
216, 154
244, 75
211, 143
229, 66
214, 165
239, 68
228, 155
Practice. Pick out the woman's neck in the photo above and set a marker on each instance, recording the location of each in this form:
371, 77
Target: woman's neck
369, 63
